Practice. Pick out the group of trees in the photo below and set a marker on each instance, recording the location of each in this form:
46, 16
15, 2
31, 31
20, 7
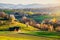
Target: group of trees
4, 18
47, 25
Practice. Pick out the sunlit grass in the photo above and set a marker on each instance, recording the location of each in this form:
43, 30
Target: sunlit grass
11, 38
30, 35
21, 25
45, 34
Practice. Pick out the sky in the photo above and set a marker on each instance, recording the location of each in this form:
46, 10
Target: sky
30, 1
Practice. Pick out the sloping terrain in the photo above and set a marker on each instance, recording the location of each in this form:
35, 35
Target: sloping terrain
21, 25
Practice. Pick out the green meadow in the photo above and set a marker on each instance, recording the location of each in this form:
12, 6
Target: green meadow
6, 35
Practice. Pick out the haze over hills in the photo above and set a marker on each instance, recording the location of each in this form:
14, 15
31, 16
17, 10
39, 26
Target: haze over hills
19, 6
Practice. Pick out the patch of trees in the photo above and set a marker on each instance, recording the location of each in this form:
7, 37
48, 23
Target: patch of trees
47, 25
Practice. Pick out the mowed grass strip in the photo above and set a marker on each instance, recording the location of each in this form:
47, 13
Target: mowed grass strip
45, 34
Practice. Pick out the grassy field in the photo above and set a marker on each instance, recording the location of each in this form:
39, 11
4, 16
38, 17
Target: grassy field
18, 24
42, 17
45, 34
6, 35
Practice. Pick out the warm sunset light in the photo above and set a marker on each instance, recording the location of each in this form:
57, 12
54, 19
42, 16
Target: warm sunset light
29, 19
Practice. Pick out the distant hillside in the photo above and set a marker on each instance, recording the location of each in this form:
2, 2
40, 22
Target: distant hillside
19, 6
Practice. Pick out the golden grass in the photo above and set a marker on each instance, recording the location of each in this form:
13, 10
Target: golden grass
11, 38
21, 25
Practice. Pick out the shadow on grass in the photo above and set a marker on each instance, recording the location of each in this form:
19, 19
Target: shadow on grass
44, 36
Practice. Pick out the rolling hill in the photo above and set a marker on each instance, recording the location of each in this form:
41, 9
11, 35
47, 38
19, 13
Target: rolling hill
23, 27
19, 6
